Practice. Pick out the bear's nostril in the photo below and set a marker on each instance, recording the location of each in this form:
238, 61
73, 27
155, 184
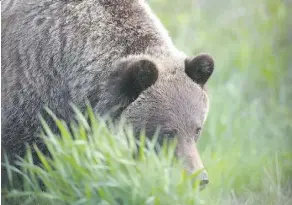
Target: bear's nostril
203, 183
203, 177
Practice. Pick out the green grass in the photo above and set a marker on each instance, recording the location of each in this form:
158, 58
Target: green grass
247, 141
97, 165
246, 145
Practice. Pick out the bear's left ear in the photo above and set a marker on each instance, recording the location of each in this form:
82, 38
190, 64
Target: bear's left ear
199, 68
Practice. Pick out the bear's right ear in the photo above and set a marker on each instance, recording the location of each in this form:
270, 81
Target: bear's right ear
133, 77
123, 86
137, 77
199, 68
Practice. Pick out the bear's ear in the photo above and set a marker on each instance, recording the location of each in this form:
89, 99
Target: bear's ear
137, 76
130, 77
199, 68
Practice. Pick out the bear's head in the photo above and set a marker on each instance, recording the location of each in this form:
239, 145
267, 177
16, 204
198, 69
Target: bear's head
152, 93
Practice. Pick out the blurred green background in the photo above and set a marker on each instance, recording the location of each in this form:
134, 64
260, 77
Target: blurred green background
246, 143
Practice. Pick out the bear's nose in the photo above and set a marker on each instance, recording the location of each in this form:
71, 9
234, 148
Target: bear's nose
203, 183
203, 178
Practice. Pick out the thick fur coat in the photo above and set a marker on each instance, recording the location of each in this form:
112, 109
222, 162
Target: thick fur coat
108, 52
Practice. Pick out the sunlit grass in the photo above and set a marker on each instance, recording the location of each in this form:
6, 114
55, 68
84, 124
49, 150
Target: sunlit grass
102, 164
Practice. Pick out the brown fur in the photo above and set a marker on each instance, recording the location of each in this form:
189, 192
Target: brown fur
110, 52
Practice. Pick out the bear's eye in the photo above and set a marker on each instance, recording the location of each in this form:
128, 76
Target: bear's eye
198, 132
169, 134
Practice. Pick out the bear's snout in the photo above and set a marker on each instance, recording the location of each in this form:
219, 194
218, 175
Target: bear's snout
193, 163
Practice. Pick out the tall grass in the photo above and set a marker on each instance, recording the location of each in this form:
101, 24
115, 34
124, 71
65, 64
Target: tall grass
101, 164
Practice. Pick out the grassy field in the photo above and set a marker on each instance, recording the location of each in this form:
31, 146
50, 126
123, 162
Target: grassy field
247, 142
246, 145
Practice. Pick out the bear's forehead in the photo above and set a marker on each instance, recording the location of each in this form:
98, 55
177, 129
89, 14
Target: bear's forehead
182, 112
170, 64
179, 85
180, 97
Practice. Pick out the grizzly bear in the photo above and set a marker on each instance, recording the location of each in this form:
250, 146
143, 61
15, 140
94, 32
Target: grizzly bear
112, 53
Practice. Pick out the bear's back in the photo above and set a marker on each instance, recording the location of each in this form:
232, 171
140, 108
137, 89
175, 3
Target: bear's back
76, 41
55, 52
